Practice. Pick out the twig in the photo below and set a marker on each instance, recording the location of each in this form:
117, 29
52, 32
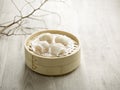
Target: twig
29, 3
5, 28
22, 17
17, 7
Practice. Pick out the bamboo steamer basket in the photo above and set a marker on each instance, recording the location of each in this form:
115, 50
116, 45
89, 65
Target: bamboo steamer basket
52, 66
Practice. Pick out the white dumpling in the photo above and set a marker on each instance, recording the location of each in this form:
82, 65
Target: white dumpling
57, 49
37, 49
62, 39
46, 37
45, 46
40, 47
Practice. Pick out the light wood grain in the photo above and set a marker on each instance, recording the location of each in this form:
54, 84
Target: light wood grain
100, 36
99, 32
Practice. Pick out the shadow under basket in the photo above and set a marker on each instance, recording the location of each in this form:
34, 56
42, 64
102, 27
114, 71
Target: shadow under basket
52, 66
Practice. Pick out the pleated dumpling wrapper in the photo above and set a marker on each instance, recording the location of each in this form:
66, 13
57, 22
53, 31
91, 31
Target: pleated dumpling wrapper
46, 37
40, 47
57, 49
63, 40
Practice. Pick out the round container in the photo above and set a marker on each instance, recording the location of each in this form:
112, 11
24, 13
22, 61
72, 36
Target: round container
52, 65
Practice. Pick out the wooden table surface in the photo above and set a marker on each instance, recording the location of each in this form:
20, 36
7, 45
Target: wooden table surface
98, 26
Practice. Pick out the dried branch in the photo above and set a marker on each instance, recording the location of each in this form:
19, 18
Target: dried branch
29, 3
17, 7
21, 18
9, 28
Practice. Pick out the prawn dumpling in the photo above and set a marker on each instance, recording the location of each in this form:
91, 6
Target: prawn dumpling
37, 49
62, 39
44, 45
46, 37
57, 49
40, 47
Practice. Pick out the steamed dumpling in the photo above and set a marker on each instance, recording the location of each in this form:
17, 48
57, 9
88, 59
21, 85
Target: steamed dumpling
62, 39
40, 47
37, 49
46, 37
45, 46
57, 49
